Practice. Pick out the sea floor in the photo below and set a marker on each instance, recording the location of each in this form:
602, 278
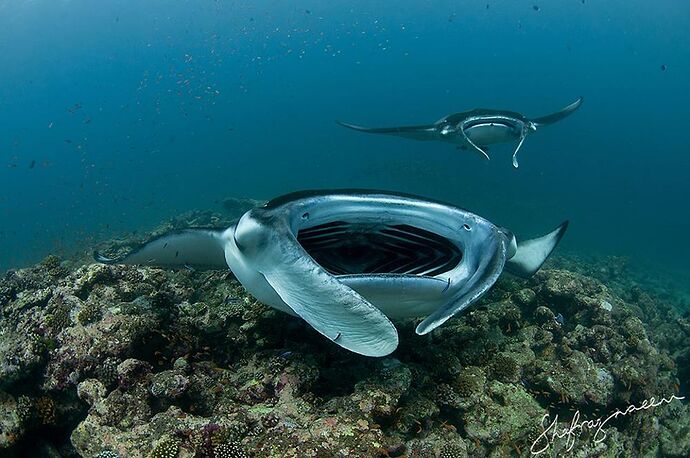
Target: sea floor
121, 361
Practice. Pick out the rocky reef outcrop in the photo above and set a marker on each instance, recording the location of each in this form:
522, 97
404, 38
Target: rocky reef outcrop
114, 361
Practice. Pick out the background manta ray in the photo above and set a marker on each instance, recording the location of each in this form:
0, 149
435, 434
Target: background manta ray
475, 129
349, 261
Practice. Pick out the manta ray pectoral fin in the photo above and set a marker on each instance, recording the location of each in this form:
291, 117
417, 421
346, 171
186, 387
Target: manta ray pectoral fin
487, 272
424, 132
200, 248
531, 254
555, 117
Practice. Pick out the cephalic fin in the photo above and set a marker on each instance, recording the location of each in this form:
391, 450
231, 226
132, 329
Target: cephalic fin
487, 271
467, 139
523, 135
329, 306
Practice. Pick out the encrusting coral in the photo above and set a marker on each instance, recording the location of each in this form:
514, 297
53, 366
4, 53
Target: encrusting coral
114, 361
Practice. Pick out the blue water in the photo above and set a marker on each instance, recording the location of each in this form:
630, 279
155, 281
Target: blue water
136, 111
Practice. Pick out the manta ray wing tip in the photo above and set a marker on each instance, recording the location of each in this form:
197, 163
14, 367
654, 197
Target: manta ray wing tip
348, 125
562, 228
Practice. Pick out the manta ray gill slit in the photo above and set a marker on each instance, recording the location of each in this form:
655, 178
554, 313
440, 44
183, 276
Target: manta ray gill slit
346, 248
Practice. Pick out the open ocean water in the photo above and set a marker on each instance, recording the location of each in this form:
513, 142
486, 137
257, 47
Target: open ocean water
117, 116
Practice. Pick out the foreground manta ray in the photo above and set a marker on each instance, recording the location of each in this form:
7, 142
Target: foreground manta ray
476, 129
347, 261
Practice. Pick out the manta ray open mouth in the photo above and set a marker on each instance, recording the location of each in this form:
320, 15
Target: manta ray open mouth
344, 248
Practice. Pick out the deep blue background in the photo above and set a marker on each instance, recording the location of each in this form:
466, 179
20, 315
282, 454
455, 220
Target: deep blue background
184, 103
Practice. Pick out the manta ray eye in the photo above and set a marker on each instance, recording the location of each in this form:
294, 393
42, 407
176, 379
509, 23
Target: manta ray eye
466, 227
305, 215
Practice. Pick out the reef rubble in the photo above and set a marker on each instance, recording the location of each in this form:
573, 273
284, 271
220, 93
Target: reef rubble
121, 361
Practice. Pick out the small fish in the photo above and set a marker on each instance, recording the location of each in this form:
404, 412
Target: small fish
189, 268
32, 165
663, 67
230, 299
165, 244
68, 141
286, 354
177, 253
559, 319
535, 7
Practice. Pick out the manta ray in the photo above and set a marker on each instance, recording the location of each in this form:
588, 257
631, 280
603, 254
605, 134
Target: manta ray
475, 129
348, 262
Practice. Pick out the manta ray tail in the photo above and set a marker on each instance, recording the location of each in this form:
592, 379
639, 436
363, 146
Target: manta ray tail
198, 248
531, 254
425, 132
555, 117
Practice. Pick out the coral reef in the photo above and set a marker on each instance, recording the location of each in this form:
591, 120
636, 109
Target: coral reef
113, 361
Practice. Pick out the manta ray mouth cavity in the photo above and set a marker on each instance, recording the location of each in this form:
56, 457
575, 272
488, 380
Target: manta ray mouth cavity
346, 248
